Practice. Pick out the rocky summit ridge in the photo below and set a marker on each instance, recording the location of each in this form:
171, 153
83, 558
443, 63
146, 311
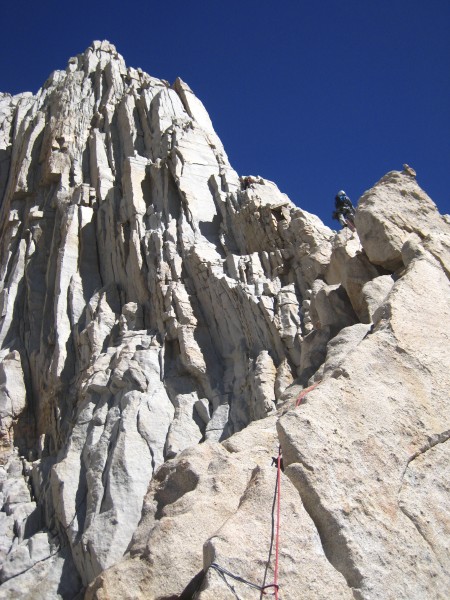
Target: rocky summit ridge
159, 317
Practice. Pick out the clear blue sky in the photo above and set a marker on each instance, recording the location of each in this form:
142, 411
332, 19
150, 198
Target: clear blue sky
314, 95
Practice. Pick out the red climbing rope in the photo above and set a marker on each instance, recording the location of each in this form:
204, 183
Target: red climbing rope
277, 499
275, 585
304, 392
277, 539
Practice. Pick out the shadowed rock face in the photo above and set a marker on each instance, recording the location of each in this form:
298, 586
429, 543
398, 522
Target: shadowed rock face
158, 317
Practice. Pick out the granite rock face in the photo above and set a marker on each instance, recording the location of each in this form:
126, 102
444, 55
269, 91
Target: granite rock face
158, 316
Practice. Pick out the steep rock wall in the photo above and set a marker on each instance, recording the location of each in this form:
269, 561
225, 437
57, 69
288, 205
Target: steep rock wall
154, 304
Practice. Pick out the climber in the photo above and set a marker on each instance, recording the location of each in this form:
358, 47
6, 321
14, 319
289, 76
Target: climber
345, 211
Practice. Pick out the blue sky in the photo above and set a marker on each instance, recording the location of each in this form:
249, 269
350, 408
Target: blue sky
314, 95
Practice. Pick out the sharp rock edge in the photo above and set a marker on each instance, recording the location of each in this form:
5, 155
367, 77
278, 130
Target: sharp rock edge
159, 315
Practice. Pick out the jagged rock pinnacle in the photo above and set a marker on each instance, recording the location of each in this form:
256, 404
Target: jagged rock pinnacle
160, 314
409, 170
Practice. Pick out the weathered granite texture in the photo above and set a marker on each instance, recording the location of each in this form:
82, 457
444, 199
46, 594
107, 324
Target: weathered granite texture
159, 315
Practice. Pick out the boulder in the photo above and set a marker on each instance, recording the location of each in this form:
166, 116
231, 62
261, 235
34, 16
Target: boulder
389, 212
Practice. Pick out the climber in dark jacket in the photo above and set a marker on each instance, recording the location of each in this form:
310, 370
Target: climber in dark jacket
345, 211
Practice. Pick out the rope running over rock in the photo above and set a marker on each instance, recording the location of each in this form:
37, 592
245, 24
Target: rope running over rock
224, 572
